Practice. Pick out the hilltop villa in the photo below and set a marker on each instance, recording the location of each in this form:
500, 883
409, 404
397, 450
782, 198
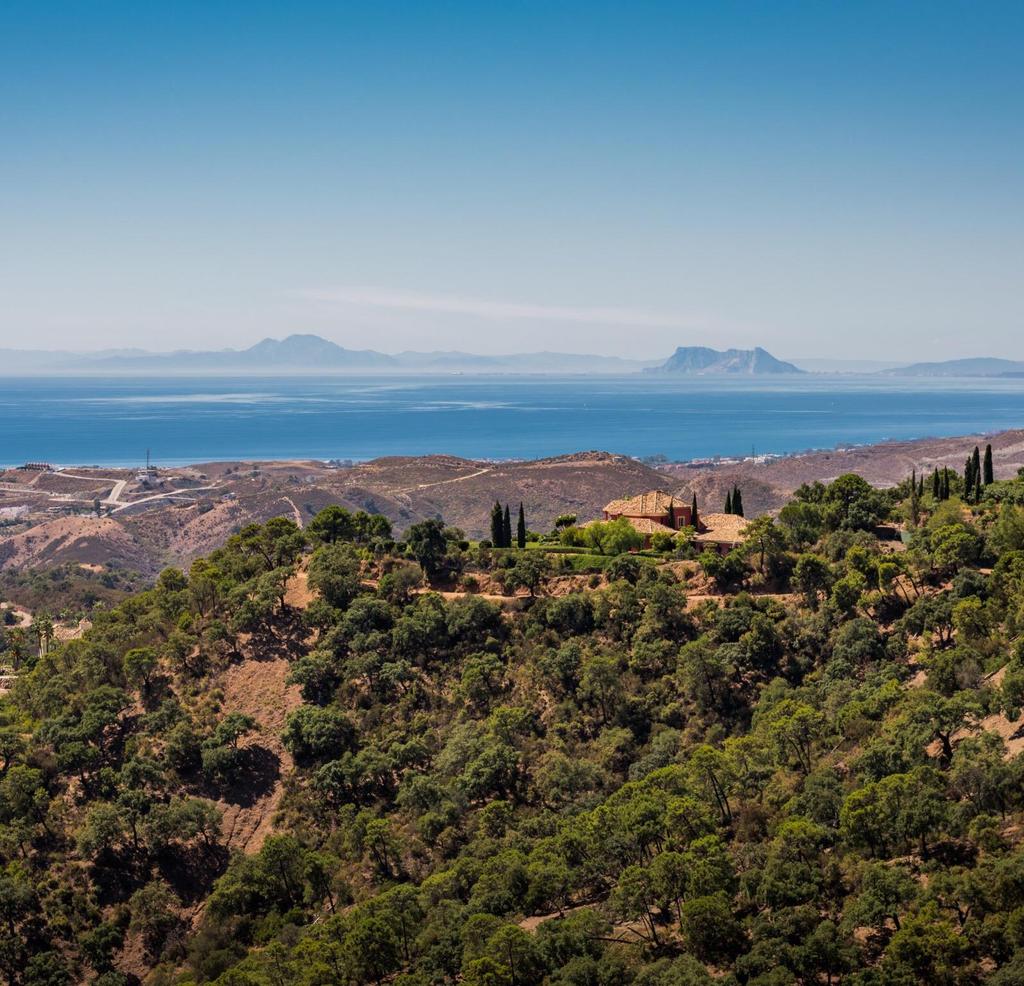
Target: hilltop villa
656, 512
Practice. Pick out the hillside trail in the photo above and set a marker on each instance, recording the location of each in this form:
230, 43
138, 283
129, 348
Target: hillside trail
446, 482
295, 511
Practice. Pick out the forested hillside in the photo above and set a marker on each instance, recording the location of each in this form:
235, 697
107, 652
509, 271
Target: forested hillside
324, 757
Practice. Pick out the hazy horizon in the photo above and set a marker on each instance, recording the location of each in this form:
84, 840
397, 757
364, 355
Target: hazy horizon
828, 182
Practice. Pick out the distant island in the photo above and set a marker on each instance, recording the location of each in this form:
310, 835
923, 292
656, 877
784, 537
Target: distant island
702, 361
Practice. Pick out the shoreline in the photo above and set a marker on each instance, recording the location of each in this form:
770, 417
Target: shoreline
653, 461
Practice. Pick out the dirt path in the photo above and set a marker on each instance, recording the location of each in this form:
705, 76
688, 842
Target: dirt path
163, 496
693, 600
295, 510
114, 496
445, 482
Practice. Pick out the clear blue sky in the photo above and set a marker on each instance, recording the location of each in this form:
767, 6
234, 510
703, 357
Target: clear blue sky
825, 179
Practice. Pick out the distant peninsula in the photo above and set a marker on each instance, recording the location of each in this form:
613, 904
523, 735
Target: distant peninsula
702, 361
979, 367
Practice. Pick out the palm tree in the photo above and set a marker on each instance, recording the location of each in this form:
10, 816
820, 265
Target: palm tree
43, 627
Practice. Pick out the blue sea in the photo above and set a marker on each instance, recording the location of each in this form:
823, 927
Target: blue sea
113, 421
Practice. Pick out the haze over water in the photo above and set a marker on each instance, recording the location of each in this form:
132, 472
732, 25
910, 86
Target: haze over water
112, 422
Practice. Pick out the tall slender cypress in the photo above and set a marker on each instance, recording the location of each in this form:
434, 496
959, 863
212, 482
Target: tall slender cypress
694, 519
728, 502
968, 478
506, 528
976, 466
920, 486
945, 482
521, 528
989, 476
936, 485
497, 526
737, 501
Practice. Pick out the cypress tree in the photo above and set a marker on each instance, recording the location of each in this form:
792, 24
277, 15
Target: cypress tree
728, 502
976, 466
989, 476
936, 485
737, 501
497, 525
506, 529
694, 519
521, 528
920, 486
945, 482
968, 478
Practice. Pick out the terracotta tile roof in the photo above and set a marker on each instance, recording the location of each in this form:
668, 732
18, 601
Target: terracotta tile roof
656, 503
721, 528
644, 525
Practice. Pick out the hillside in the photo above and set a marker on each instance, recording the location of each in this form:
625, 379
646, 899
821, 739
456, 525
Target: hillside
701, 361
188, 512
184, 513
324, 757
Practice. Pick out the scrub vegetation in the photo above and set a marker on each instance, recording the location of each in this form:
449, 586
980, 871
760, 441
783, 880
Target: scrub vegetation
798, 763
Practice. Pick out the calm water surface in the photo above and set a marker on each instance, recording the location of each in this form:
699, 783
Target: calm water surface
112, 421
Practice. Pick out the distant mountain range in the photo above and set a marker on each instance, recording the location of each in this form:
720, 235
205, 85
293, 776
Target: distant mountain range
307, 354
313, 354
701, 361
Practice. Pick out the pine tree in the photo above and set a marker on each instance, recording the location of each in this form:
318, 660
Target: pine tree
497, 526
521, 528
694, 519
737, 501
506, 529
728, 502
989, 475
